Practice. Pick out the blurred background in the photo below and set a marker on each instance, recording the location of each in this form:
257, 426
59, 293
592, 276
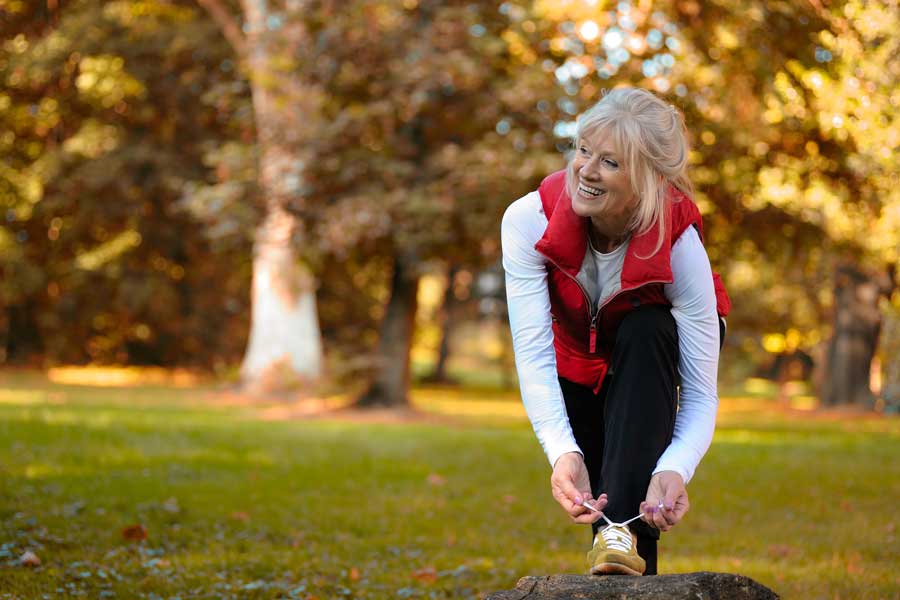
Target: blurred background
306, 195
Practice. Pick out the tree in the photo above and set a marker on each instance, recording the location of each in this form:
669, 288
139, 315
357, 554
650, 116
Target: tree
429, 137
105, 120
271, 47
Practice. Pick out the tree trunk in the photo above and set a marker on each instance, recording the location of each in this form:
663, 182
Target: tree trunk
390, 384
446, 322
857, 321
22, 343
285, 342
702, 585
890, 353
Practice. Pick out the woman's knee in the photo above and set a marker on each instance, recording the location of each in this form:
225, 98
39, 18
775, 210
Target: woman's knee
648, 324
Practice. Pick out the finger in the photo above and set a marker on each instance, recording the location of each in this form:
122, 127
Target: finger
601, 502
669, 516
668, 513
570, 507
588, 518
568, 497
659, 520
681, 508
669, 502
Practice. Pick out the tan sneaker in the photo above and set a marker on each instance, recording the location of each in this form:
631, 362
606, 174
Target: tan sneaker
615, 552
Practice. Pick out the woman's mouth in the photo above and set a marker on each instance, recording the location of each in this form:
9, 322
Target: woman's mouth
590, 191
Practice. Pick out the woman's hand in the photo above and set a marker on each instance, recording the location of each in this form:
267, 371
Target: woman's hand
571, 486
666, 488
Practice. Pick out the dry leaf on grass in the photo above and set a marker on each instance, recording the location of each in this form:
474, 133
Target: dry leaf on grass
435, 479
29, 559
135, 532
426, 575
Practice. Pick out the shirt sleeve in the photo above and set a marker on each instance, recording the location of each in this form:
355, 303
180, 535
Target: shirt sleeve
528, 303
693, 301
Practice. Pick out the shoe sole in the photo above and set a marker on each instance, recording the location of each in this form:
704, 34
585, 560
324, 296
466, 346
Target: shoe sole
609, 568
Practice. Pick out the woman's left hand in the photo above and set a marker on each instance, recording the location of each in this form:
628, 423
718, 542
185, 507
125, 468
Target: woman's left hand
666, 488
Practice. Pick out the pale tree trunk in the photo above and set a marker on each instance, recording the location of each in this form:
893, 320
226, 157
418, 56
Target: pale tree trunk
285, 342
857, 322
391, 383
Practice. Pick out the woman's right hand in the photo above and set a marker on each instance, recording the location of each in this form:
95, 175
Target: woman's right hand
571, 486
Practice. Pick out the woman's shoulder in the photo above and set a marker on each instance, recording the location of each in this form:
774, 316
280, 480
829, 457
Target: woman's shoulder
525, 210
524, 219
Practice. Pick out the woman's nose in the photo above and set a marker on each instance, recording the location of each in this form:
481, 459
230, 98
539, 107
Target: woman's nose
591, 169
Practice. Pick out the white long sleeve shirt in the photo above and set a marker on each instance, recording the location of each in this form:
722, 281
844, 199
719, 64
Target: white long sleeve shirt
693, 300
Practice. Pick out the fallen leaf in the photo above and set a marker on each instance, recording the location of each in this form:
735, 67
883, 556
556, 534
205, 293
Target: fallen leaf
780, 550
853, 564
135, 532
29, 559
435, 479
354, 574
451, 539
240, 516
509, 498
426, 575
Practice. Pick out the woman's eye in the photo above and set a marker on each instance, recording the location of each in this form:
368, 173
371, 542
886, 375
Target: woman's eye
611, 163
583, 149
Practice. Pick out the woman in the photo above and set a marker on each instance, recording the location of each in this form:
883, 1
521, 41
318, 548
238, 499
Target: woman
613, 306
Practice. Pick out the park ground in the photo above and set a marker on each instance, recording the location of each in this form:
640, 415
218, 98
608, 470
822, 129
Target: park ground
160, 490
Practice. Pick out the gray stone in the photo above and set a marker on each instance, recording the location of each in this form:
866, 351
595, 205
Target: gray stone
687, 586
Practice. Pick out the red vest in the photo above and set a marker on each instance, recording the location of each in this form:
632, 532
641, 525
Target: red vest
584, 339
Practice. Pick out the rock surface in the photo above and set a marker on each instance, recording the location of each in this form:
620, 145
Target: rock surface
688, 586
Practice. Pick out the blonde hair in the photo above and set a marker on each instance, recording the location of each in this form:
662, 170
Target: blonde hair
650, 134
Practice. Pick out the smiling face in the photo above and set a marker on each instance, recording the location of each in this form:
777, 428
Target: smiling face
603, 189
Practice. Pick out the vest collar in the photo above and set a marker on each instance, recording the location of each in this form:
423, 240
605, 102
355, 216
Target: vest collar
565, 240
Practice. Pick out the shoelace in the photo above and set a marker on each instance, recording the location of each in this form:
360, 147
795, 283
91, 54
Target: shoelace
617, 537
610, 523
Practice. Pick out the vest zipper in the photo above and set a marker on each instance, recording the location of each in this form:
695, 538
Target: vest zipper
593, 314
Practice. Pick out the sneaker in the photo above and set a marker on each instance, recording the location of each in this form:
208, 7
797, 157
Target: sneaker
615, 552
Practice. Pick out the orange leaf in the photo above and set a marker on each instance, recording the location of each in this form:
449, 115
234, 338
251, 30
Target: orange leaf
354, 574
135, 532
426, 575
435, 479
780, 550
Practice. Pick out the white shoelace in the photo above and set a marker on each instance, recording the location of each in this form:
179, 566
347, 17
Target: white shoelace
616, 538
602, 514
616, 535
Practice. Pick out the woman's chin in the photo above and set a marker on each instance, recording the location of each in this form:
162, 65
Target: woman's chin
584, 207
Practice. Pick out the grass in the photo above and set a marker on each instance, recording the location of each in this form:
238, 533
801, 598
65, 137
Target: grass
236, 505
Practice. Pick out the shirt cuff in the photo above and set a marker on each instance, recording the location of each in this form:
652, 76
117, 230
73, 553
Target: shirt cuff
557, 451
662, 466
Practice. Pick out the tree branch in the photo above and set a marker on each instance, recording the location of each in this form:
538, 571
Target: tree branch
227, 24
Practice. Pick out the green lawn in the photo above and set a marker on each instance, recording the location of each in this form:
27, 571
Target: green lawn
237, 505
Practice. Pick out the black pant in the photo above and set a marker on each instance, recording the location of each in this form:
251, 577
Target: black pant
624, 429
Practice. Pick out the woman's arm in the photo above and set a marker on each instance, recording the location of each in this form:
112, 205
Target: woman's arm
529, 319
694, 307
